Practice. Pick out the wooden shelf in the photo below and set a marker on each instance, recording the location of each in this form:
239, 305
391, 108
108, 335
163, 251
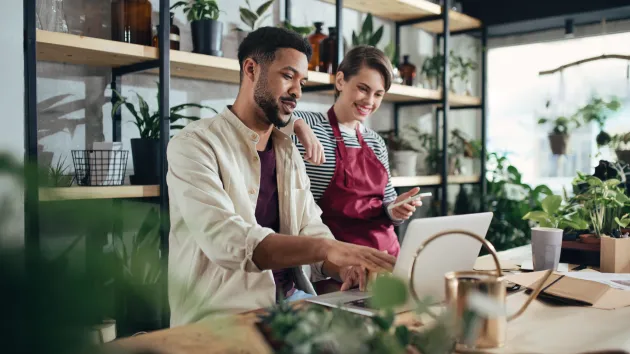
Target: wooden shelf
73, 49
79, 50
105, 192
419, 181
402, 10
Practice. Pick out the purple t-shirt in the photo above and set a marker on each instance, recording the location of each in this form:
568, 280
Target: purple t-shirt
268, 211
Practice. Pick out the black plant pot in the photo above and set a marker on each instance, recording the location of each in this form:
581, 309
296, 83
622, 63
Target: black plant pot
145, 154
558, 143
207, 36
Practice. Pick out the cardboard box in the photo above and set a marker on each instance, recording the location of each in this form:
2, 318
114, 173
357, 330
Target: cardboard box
615, 255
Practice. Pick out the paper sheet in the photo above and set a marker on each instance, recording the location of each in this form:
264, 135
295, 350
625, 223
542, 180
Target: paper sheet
614, 280
529, 265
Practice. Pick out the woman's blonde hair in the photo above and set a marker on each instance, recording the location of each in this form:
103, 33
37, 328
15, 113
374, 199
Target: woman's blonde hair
366, 56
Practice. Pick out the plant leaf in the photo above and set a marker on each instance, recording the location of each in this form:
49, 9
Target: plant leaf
248, 17
367, 25
551, 204
376, 37
388, 292
264, 7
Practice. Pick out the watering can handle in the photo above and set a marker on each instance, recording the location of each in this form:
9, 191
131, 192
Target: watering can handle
532, 296
488, 246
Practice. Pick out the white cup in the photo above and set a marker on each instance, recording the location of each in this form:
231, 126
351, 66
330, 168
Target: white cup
546, 246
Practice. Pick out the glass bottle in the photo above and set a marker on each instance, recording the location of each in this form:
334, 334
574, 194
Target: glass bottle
315, 40
328, 49
407, 71
131, 21
174, 35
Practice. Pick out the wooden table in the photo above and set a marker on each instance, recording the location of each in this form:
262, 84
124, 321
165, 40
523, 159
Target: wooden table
541, 329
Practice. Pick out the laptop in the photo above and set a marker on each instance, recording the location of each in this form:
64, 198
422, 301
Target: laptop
456, 252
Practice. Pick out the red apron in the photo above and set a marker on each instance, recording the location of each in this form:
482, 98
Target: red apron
352, 205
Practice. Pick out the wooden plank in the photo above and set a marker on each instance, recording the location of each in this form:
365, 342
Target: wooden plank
104, 192
403, 93
419, 181
458, 22
73, 49
401, 10
463, 100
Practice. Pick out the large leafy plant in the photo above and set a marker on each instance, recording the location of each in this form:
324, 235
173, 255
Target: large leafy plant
554, 216
253, 19
604, 201
197, 10
598, 111
367, 36
148, 123
313, 329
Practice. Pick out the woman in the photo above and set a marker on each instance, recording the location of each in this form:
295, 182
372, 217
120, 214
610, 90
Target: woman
353, 185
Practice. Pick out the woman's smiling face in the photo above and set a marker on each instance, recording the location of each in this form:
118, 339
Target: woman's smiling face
362, 94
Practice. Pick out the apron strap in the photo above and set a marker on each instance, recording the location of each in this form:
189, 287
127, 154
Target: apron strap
334, 123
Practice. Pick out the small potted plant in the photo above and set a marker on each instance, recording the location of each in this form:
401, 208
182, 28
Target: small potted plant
598, 110
560, 132
463, 67
252, 19
207, 31
620, 143
404, 154
144, 150
367, 36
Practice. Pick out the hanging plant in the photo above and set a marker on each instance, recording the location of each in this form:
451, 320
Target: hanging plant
598, 110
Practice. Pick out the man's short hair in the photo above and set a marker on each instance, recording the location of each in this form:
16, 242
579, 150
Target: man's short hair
261, 45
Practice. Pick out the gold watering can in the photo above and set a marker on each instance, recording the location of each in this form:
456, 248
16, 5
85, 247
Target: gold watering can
459, 285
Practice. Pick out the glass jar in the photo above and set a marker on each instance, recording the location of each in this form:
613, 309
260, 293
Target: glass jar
131, 21
174, 35
328, 50
315, 40
407, 71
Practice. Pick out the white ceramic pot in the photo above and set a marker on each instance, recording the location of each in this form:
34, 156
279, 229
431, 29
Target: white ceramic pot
405, 162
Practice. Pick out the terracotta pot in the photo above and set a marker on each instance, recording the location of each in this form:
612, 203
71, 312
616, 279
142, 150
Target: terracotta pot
558, 143
590, 238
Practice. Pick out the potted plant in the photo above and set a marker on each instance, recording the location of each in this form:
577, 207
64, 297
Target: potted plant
433, 67
207, 31
620, 143
252, 19
144, 150
555, 216
367, 36
597, 110
462, 68
605, 203
56, 175
560, 132
403, 152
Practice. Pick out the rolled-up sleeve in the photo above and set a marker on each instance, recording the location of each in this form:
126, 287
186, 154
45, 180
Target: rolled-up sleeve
196, 189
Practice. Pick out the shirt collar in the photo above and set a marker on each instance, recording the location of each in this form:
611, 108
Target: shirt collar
247, 133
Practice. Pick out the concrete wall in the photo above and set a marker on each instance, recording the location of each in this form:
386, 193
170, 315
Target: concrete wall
12, 120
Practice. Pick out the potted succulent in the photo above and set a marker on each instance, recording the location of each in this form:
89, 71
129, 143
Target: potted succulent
252, 19
144, 150
620, 143
560, 132
207, 31
597, 110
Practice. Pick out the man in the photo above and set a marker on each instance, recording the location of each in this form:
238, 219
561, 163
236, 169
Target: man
245, 230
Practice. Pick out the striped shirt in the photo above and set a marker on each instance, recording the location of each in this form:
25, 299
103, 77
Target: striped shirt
322, 175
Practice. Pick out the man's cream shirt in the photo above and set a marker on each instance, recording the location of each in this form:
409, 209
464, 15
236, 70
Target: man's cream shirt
213, 182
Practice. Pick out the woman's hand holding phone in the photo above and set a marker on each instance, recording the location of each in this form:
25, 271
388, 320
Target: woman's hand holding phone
405, 205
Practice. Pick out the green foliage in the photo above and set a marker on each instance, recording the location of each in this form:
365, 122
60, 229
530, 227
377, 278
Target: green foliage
141, 261
620, 141
253, 19
303, 30
314, 329
561, 125
367, 36
148, 123
56, 175
598, 110
553, 216
391, 53
197, 10
604, 201
459, 67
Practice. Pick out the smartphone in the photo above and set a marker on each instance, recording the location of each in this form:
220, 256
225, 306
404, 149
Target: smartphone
415, 197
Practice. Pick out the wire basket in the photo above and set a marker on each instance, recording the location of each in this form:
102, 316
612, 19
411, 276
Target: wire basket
100, 167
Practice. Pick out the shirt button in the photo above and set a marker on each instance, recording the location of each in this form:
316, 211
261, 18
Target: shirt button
254, 136
252, 191
255, 158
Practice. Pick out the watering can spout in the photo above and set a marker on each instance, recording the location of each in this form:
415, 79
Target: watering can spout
532, 296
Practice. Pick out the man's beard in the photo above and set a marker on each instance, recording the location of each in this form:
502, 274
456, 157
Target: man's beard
265, 100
